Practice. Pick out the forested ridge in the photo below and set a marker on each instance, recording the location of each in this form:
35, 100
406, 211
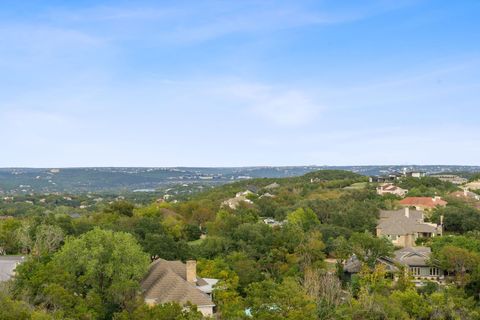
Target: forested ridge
86, 261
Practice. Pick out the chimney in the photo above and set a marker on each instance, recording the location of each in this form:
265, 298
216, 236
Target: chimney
407, 212
191, 271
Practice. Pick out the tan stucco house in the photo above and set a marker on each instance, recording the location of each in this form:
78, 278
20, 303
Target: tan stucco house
403, 227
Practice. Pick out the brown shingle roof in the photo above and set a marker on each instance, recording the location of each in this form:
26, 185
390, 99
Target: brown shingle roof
413, 256
166, 282
410, 257
396, 222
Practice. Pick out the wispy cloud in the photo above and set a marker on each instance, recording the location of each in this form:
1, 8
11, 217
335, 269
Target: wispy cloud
198, 21
278, 106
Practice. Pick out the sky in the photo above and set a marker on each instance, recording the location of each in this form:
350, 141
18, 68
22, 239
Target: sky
239, 83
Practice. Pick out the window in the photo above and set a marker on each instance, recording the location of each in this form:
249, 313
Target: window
434, 271
415, 271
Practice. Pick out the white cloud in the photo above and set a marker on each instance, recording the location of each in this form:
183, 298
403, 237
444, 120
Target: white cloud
276, 105
199, 21
291, 108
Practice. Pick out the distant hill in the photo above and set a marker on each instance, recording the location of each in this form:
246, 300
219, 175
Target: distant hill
79, 180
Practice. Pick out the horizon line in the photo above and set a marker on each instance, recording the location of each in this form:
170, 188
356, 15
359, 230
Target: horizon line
246, 166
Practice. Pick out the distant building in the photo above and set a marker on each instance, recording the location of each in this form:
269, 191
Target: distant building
389, 177
450, 178
394, 176
273, 223
175, 281
244, 193
465, 194
474, 185
403, 227
389, 188
415, 174
272, 186
240, 197
423, 203
234, 203
266, 195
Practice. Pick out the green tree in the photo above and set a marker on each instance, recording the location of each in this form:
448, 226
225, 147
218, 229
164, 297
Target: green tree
304, 218
94, 275
121, 207
371, 306
269, 300
452, 303
458, 217
311, 250
414, 304
157, 241
230, 304
48, 239
369, 248
365, 247
8, 236
16, 310
246, 268
457, 261
167, 311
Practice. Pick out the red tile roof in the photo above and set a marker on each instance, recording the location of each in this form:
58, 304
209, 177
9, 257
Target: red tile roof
425, 202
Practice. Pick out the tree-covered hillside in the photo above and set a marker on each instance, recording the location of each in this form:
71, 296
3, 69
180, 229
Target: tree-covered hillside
278, 251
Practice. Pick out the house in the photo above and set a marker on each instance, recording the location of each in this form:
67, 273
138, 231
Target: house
233, 203
466, 195
419, 264
240, 197
8, 265
266, 195
175, 281
243, 193
389, 177
414, 260
389, 188
423, 203
415, 174
450, 178
403, 227
272, 186
474, 185
273, 223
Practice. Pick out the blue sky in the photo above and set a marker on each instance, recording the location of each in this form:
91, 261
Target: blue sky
237, 83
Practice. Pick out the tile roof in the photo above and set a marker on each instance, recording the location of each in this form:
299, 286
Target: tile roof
166, 282
423, 202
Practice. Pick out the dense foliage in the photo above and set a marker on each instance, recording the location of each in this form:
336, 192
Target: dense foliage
87, 263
